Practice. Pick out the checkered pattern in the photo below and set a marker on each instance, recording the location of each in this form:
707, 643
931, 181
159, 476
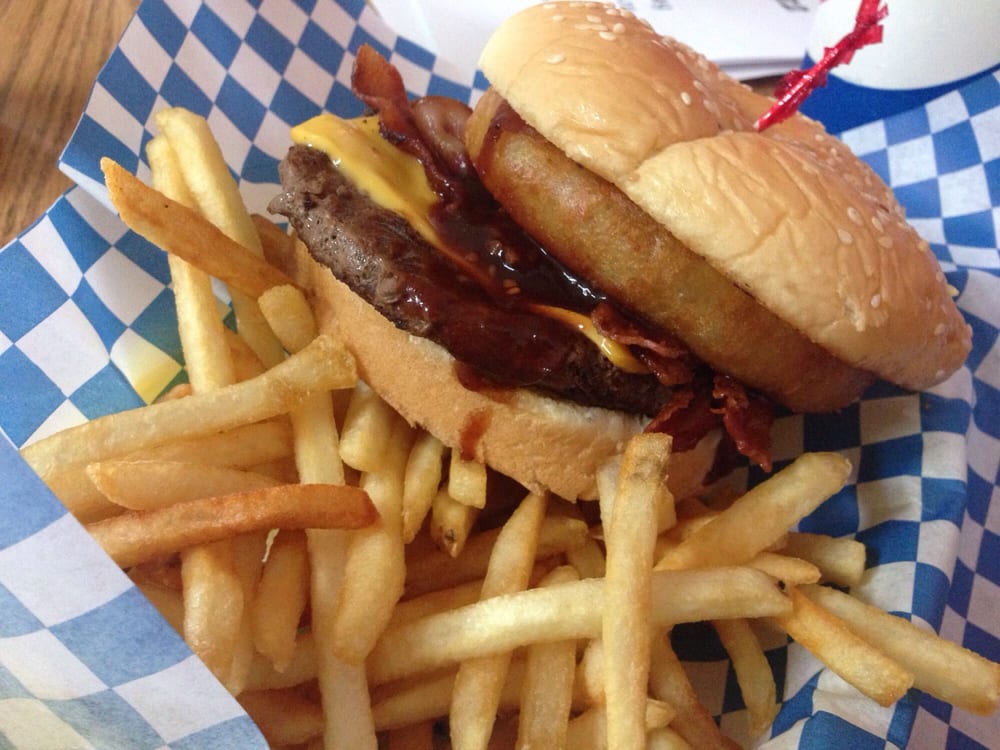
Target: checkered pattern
96, 333
70, 674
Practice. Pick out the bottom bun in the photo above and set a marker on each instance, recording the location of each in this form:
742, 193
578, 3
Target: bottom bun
541, 442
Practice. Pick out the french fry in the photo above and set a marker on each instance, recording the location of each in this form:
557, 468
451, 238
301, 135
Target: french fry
841, 560
242, 447
547, 688
209, 366
246, 362
829, 639
588, 559
451, 522
590, 729
763, 515
343, 686
275, 242
185, 233
590, 672
152, 484
791, 571
436, 601
300, 670
367, 428
467, 481
569, 611
436, 569
282, 595
75, 490
284, 717
944, 669
213, 601
476, 694
428, 696
168, 601
215, 191
199, 321
322, 365
669, 682
420, 482
376, 567
630, 536
146, 535
665, 738
288, 313
248, 558
753, 672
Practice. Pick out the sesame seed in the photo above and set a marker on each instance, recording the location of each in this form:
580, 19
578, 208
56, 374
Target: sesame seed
875, 301
939, 375
556, 58
686, 98
877, 224
939, 329
846, 237
593, 19
607, 35
854, 215
558, 17
618, 28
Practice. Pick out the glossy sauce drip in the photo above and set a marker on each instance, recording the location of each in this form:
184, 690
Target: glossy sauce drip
518, 269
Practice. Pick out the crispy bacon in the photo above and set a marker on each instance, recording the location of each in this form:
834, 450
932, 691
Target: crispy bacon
705, 403
665, 355
698, 403
687, 416
747, 418
377, 83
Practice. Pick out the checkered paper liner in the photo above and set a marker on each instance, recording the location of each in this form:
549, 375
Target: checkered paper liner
87, 327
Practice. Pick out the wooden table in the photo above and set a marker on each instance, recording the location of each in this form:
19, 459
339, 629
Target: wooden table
52, 52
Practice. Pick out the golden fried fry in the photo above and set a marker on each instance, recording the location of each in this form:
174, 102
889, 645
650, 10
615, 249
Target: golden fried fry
146, 535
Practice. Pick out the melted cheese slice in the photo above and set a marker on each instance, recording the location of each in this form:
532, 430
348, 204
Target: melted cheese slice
396, 181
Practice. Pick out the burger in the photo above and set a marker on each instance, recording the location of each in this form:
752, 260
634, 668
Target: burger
605, 244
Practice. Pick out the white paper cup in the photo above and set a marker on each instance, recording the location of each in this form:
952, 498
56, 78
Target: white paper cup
928, 48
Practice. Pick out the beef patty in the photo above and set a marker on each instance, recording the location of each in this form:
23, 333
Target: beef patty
386, 262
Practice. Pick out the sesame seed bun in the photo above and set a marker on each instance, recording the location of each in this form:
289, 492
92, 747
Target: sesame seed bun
788, 215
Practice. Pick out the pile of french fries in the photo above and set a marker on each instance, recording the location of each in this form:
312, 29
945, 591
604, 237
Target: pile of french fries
357, 585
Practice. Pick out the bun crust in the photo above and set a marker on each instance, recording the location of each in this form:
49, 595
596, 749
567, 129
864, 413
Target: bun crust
541, 442
790, 215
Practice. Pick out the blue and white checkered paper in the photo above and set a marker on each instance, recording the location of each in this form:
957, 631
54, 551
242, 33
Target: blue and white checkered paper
87, 327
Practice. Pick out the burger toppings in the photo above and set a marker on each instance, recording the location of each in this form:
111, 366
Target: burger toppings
392, 205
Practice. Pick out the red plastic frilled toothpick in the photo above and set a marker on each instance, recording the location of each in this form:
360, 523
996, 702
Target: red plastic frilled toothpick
795, 86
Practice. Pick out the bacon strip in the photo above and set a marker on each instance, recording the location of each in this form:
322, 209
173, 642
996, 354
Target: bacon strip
747, 418
377, 83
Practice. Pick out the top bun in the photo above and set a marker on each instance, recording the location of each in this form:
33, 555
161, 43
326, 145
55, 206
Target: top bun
789, 214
